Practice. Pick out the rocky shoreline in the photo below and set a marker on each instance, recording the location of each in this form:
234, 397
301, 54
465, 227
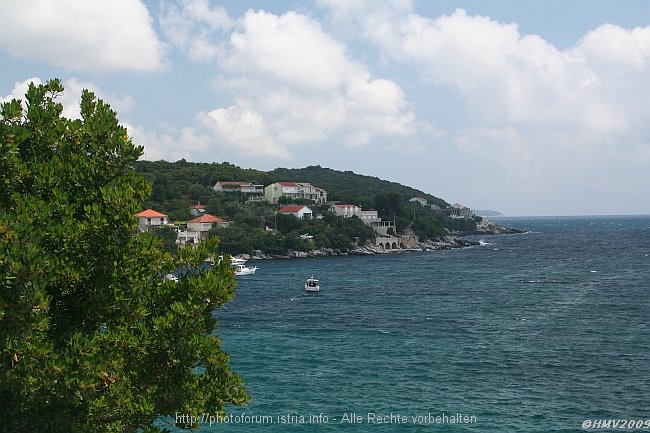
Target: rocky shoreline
457, 240
490, 228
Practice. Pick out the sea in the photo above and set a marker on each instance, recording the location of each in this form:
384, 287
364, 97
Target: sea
544, 331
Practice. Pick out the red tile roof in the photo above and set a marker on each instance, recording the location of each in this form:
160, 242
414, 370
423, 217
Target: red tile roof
207, 218
150, 213
197, 206
288, 184
291, 209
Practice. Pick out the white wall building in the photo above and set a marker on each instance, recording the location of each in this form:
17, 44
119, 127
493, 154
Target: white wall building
149, 218
274, 191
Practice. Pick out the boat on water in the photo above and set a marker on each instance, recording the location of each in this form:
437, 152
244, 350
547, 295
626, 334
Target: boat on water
238, 265
312, 284
241, 269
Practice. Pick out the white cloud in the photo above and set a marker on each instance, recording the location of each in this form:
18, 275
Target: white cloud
524, 94
303, 84
291, 50
194, 25
243, 131
166, 142
97, 36
293, 86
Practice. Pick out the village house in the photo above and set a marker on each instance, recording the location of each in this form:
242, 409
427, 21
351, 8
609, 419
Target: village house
150, 218
346, 210
459, 211
198, 228
205, 222
369, 217
298, 211
254, 192
417, 199
302, 190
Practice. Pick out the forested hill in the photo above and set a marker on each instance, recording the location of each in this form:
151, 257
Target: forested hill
182, 180
347, 186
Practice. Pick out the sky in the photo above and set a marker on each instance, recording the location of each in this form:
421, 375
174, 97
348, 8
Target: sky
528, 108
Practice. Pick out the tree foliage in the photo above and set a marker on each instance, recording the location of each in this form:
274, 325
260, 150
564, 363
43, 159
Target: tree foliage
92, 338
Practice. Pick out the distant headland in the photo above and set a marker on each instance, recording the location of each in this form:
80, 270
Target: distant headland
306, 212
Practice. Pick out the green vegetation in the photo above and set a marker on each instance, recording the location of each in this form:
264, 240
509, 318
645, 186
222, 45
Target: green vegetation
92, 338
180, 184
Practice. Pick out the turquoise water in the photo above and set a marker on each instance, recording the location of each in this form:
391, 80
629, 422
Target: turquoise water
534, 332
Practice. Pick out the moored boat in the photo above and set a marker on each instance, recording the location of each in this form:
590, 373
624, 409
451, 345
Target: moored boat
241, 269
312, 284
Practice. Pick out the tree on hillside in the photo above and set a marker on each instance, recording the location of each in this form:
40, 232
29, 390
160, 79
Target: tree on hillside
92, 337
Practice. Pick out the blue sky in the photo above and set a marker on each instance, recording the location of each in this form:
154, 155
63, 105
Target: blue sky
529, 108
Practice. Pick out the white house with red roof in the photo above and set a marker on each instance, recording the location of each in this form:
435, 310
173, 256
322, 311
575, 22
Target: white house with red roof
298, 211
149, 218
205, 222
198, 228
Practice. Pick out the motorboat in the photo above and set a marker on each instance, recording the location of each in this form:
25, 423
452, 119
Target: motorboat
312, 285
239, 266
241, 269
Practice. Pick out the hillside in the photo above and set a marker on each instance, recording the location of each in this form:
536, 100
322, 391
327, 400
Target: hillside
191, 182
346, 186
256, 225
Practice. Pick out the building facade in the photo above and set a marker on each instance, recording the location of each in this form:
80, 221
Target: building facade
252, 191
150, 218
301, 190
298, 211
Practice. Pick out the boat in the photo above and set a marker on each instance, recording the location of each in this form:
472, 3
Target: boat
312, 285
239, 266
241, 269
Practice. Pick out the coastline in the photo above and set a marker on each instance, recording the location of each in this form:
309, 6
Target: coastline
451, 241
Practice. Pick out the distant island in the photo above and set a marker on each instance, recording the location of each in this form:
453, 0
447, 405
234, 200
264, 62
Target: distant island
487, 213
304, 212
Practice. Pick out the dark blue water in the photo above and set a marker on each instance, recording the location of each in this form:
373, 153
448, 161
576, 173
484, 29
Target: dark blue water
534, 332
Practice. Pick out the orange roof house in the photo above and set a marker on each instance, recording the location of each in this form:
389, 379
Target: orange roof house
148, 218
150, 213
205, 222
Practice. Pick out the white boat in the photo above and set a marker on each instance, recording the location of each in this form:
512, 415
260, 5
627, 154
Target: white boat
241, 269
239, 266
312, 285
234, 261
